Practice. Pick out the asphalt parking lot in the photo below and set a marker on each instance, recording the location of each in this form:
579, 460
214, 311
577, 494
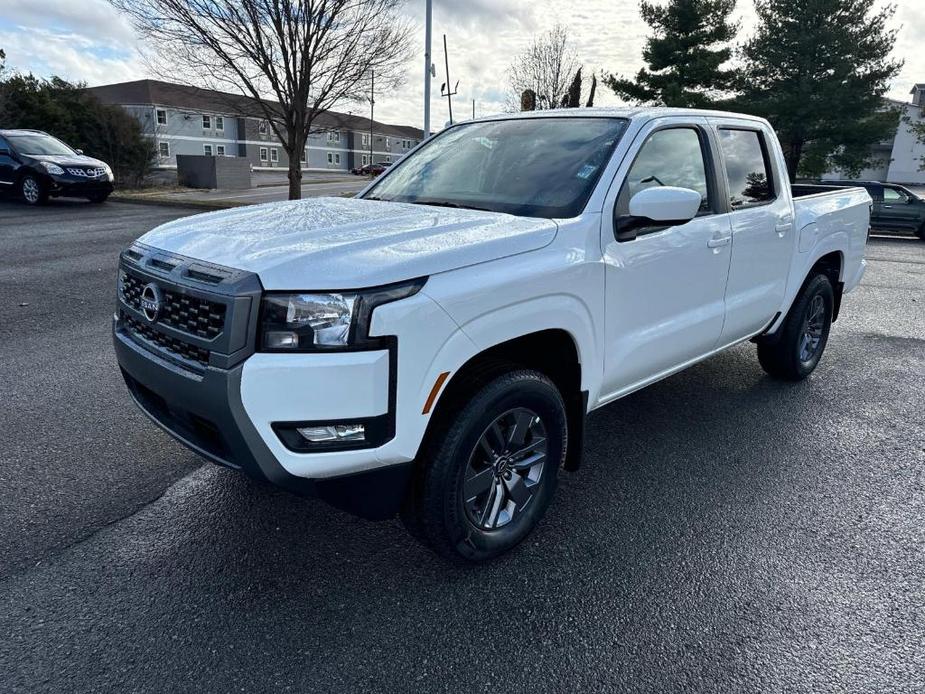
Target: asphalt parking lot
726, 533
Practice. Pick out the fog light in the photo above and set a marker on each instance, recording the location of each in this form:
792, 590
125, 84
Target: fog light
333, 433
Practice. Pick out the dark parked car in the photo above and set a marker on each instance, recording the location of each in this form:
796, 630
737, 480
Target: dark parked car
371, 169
895, 207
34, 165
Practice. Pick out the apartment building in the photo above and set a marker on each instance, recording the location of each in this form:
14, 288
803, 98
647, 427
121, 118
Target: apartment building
189, 120
901, 157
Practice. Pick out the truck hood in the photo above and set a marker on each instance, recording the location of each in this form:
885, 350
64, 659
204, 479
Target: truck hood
346, 243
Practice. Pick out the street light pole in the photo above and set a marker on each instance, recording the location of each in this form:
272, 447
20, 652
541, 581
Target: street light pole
372, 106
427, 66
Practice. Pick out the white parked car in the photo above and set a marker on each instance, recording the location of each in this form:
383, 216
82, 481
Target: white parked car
432, 347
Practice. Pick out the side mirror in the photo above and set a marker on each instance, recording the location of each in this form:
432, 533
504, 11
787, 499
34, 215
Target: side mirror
664, 206
79, 151
5, 152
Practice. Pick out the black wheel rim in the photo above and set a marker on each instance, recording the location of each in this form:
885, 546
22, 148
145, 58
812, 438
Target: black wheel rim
813, 329
504, 469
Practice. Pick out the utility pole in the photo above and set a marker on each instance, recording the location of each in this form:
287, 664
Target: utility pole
372, 106
449, 92
473, 109
428, 66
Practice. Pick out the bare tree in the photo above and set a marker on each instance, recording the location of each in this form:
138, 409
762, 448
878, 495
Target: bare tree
546, 68
296, 58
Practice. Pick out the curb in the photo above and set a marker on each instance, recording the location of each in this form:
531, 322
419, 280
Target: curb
169, 202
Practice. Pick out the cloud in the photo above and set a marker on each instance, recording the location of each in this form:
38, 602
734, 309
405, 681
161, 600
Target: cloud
88, 40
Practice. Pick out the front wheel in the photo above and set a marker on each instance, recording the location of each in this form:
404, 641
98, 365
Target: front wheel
32, 190
796, 352
487, 477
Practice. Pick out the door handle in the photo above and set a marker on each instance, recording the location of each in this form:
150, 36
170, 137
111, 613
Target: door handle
886, 207
782, 228
718, 242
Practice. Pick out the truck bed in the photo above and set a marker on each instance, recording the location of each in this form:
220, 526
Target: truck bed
836, 217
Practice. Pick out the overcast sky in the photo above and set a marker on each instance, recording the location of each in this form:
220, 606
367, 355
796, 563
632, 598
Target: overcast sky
87, 40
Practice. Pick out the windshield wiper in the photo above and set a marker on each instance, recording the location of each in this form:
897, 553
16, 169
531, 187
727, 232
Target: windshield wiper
444, 203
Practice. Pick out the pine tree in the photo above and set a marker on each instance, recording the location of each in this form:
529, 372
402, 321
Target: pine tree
572, 98
818, 70
689, 44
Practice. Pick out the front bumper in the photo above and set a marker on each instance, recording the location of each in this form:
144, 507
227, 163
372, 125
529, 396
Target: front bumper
78, 187
223, 401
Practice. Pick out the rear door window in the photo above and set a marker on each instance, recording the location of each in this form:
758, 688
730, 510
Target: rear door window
748, 168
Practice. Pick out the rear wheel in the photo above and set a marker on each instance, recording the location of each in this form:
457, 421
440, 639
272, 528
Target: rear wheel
795, 352
488, 476
32, 190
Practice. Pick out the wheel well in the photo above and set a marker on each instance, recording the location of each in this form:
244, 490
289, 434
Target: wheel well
551, 352
831, 265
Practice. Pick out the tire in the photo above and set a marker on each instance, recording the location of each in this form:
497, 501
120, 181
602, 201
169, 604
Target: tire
507, 495
803, 335
921, 232
32, 191
98, 198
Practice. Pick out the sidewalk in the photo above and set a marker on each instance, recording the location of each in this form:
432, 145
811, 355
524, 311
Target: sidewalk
312, 186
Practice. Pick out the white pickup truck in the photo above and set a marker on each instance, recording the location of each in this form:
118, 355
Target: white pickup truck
432, 347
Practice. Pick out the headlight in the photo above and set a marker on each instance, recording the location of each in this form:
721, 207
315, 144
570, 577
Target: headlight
53, 168
318, 321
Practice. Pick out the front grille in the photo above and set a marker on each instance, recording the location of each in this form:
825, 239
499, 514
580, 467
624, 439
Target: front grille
199, 317
176, 347
87, 173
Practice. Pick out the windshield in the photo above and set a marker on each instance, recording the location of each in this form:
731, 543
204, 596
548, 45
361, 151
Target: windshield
531, 167
34, 143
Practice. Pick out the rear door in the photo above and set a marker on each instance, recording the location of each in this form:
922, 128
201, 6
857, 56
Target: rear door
7, 166
761, 216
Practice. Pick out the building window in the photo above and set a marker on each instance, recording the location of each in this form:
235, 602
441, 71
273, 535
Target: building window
220, 150
163, 148
274, 155
207, 150
365, 159
304, 157
334, 136
263, 154
388, 158
262, 127
387, 145
161, 116
220, 123
206, 122
330, 157
365, 139
337, 159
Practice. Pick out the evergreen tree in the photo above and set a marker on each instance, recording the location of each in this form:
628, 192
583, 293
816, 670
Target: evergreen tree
689, 44
818, 70
572, 98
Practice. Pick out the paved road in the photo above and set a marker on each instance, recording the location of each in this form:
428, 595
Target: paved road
727, 533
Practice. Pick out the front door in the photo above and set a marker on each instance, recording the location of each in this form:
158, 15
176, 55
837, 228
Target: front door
664, 289
896, 210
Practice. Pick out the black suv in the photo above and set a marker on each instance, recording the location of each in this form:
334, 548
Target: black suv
36, 165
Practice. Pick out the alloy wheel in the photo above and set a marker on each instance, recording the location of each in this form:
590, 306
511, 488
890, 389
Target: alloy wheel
813, 329
504, 469
30, 190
